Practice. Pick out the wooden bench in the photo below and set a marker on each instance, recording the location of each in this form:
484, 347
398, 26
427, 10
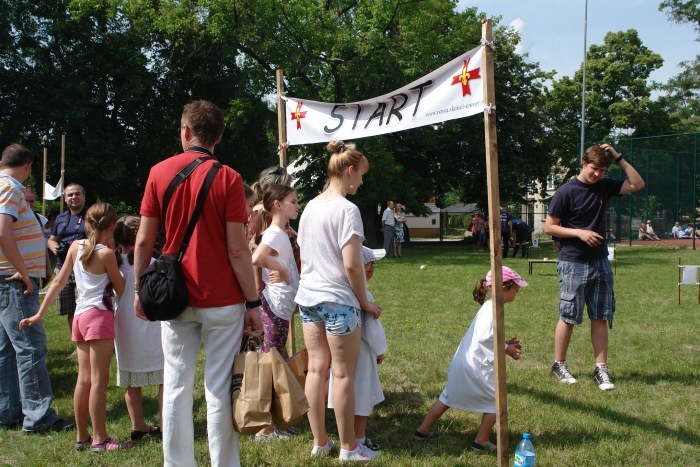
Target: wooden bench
530, 262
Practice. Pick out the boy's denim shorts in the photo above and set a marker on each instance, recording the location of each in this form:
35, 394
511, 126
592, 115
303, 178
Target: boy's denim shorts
585, 283
338, 319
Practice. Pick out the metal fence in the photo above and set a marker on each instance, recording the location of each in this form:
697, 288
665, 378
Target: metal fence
669, 166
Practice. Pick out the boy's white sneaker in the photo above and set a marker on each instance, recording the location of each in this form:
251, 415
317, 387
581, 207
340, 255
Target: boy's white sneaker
322, 451
361, 453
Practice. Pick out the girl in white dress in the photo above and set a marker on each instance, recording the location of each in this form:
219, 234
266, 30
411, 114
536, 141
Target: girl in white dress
137, 342
471, 382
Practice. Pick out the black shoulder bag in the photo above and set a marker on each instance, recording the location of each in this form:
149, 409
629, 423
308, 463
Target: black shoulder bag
162, 287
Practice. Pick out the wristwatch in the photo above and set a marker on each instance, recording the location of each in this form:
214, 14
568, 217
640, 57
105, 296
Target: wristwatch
617, 161
253, 304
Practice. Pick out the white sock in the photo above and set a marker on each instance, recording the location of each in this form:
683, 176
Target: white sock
601, 365
361, 440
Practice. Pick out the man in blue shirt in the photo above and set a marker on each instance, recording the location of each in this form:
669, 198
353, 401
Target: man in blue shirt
68, 227
576, 216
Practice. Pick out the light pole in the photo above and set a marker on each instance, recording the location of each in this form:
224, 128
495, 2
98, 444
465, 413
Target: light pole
583, 82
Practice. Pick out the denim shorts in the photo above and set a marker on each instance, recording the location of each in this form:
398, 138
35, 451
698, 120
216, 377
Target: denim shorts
585, 283
338, 319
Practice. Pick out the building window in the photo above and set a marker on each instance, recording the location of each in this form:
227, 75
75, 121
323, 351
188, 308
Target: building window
550, 182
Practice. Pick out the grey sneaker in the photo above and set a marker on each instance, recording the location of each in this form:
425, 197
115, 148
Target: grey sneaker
602, 378
561, 372
323, 451
371, 445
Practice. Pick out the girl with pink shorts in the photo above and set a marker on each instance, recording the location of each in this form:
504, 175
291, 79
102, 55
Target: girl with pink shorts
97, 276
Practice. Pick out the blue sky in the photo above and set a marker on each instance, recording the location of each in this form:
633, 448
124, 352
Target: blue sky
552, 30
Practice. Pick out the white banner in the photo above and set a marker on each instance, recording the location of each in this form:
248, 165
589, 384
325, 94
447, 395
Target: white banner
53, 192
454, 90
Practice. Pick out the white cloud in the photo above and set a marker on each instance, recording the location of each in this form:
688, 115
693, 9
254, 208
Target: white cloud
519, 25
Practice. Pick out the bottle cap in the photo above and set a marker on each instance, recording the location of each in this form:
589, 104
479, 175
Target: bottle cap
526, 435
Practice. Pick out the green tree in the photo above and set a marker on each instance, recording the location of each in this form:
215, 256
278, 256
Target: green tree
618, 97
113, 76
683, 90
682, 11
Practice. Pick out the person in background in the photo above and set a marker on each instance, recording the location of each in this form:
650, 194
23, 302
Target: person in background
506, 229
68, 227
30, 197
223, 302
576, 216
332, 293
471, 379
478, 228
650, 232
610, 236
522, 236
399, 222
137, 342
388, 223
643, 235
250, 198
25, 387
677, 231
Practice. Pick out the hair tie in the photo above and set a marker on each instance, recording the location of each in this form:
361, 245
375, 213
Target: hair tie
341, 146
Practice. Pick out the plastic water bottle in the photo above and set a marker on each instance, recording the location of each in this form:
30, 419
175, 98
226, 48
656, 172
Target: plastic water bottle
525, 453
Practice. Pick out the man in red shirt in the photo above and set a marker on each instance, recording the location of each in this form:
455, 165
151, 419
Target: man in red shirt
220, 282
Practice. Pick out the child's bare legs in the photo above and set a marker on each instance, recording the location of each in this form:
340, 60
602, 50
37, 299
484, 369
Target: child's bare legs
100, 356
134, 405
81, 395
431, 417
276, 331
360, 426
488, 420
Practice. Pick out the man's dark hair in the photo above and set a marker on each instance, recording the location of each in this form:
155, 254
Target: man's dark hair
205, 120
16, 155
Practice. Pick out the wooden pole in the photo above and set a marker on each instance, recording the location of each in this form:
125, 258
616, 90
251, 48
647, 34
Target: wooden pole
495, 237
43, 186
63, 166
282, 135
281, 121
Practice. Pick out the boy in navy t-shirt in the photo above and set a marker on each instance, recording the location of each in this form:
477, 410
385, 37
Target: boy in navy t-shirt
576, 216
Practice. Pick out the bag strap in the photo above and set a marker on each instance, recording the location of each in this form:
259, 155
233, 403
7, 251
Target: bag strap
179, 178
203, 192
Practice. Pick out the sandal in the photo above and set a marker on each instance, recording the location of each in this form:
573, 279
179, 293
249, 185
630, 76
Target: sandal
153, 431
110, 444
83, 445
488, 447
420, 436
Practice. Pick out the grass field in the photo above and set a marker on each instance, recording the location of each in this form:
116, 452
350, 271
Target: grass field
650, 418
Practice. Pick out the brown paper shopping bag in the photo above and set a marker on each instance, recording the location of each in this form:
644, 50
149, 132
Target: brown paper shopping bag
289, 404
251, 395
299, 364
